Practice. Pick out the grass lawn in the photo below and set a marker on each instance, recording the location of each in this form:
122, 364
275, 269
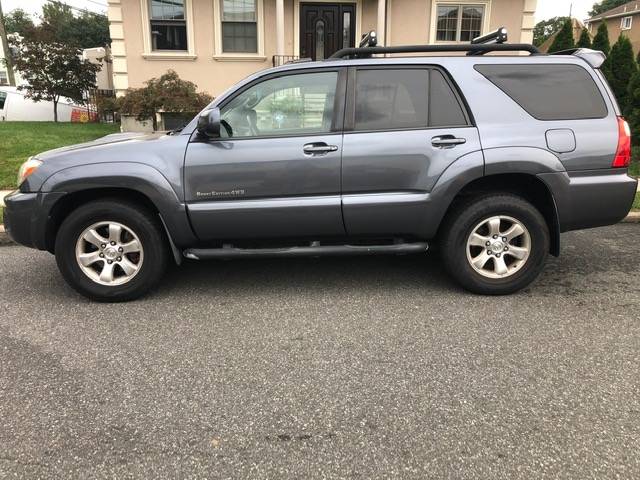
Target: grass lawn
636, 202
20, 140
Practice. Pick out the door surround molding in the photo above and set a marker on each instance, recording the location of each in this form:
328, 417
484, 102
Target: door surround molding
296, 19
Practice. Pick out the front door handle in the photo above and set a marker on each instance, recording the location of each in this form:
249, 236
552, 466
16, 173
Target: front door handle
447, 141
319, 148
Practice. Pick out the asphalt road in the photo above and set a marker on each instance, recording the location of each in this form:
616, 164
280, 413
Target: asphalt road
326, 368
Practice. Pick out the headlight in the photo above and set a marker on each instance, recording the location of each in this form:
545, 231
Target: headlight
27, 168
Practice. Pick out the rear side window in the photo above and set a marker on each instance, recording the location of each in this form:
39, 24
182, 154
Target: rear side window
549, 92
395, 99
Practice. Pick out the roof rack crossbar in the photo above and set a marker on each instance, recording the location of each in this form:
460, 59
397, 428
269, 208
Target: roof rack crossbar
476, 49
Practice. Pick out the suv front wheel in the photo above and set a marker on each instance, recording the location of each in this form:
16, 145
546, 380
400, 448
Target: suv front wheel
495, 244
111, 251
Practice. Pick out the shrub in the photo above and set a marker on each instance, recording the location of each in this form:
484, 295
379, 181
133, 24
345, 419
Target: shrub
168, 93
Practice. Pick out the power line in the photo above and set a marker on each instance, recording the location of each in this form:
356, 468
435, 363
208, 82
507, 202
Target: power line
82, 10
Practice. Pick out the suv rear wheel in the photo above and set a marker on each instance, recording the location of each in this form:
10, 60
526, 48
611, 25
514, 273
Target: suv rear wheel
495, 244
111, 251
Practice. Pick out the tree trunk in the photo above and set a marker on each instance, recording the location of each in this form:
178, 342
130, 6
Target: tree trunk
55, 111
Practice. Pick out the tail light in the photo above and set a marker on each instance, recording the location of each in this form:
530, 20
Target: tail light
623, 153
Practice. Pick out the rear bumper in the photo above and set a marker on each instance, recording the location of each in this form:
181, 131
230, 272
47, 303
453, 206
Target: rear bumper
591, 198
26, 217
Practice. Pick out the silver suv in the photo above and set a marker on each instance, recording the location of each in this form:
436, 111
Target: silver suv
493, 156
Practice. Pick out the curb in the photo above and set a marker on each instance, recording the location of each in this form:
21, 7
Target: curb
633, 217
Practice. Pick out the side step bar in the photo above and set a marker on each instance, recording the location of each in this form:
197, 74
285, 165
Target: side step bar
314, 249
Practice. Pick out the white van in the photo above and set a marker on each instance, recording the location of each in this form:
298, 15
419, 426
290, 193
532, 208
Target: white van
15, 107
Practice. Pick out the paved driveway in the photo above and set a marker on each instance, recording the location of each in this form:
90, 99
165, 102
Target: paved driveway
333, 368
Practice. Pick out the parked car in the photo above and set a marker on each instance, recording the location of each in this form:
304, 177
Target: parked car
491, 156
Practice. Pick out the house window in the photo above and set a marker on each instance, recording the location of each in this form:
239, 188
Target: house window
626, 23
459, 23
3, 79
168, 25
239, 26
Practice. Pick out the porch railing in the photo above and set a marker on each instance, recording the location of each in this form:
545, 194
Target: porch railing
282, 59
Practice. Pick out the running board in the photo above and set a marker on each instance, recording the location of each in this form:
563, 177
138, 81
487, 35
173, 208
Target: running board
314, 249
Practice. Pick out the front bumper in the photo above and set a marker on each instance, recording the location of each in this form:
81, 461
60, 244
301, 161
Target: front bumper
27, 215
591, 198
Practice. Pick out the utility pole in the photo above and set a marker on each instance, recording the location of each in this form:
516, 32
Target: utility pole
5, 46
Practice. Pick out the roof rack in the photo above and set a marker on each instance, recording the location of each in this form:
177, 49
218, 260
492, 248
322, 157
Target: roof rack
471, 49
491, 42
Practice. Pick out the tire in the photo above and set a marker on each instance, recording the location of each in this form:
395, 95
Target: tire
523, 256
130, 273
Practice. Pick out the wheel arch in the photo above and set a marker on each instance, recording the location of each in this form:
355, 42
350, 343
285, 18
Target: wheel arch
133, 182
526, 185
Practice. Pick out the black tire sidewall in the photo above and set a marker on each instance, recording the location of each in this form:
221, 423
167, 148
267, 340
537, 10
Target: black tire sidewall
144, 224
463, 222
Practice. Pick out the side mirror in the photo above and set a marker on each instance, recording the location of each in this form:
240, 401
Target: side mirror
209, 123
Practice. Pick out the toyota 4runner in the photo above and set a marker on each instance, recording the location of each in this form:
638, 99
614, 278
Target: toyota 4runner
492, 156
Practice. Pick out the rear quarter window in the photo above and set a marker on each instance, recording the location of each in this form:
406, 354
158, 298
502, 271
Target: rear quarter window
549, 92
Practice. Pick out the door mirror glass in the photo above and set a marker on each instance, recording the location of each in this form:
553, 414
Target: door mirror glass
209, 123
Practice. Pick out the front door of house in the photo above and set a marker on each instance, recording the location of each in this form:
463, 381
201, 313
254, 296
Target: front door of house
325, 28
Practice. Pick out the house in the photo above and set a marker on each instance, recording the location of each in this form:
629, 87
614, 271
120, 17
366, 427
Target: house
576, 29
215, 43
623, 19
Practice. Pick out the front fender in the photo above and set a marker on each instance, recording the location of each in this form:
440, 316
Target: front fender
137, 177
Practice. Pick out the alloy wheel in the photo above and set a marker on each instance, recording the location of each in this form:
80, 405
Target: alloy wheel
498, 247
109, 253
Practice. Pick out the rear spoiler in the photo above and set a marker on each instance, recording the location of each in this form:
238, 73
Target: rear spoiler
595, 58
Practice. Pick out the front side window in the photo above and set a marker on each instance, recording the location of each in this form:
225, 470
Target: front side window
239, 26
293, 105
459, 23
3, 98
168, 25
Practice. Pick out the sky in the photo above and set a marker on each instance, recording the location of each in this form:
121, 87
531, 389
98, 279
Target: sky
546, 8
558, 8
35, 6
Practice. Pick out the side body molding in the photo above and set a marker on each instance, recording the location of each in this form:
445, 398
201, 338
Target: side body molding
138, 177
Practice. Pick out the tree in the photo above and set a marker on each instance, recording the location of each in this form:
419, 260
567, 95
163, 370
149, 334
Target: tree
585, 39
601, 40
633, 107
622, 66
52, 71
59, 24
564, 38
544, 29
20, 22
605, 5
169, 93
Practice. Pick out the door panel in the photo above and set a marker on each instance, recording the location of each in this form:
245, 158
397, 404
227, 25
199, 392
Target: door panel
325, 28
387, 177
263, 188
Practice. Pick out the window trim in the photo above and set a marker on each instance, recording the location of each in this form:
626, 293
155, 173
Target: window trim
622, 22
150, 54
219, 54
486, 4
337, 122
350, 113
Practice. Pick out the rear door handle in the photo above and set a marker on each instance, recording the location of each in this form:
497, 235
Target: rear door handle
319, 148
447, 141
